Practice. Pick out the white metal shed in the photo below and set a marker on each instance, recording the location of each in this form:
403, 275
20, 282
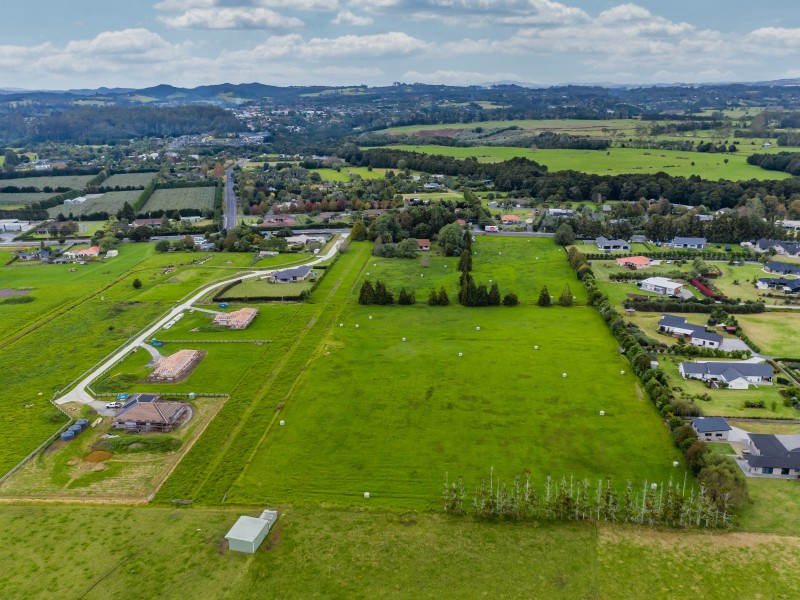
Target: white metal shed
247, 533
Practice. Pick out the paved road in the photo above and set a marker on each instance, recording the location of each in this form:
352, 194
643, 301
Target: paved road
231, 210
79, 393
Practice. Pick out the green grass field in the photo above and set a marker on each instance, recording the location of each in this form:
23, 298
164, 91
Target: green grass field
618, 160
7, 200
574, 126
110, 202
349, 554
350, 173
777, 334
200, 198
129, 180
74, 182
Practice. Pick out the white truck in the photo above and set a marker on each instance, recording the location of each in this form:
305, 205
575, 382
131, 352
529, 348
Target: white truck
494, 228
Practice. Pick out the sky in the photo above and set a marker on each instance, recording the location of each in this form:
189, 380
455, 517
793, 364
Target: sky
58, 44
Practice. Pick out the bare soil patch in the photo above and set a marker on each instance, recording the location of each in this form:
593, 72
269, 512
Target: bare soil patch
98, 456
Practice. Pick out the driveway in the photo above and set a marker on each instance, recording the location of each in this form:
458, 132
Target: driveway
729, 344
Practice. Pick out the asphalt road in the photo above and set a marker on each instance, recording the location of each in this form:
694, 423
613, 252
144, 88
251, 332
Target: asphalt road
229, 220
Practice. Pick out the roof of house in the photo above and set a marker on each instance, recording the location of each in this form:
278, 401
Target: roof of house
788, 247
423, 242
785, 268
708, 424
692, 241
300, 271
603, 241
634, 260
662, 282
510, 218
773, 453
698, 331
152, 412
728, 371
673, 321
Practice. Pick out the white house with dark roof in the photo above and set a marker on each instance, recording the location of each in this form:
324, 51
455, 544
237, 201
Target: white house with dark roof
781, 247
734, 375
787, 286
698, 334
606, 245
711, 429
689, 243
781, 268
772, 455
291, 275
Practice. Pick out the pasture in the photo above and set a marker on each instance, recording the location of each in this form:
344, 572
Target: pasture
776, 333
198, 198
344, 554
408, 273
616, 161
129, 180
110, 202
350, 173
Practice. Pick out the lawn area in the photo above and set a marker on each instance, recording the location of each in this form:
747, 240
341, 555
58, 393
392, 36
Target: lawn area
774, 506
409, 273
523, 266
744, 274
618, 291
352, 427
776, 428
730, 403
349, 173
648, 323
258, 288
776, 333
617, 160
313, 553
720, 448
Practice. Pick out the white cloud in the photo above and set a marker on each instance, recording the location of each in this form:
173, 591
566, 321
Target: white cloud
231, 18
346, 17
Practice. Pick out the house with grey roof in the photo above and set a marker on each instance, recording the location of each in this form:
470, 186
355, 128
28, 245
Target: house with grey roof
781, 268
606, 245
291, 275
787, 286
781, 247
734, 375
711, 429
698, 334
689, 243
772, 455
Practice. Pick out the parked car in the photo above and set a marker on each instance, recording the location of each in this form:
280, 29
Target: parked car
114, 405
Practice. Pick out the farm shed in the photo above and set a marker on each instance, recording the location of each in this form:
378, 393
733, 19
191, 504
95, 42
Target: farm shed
247, 533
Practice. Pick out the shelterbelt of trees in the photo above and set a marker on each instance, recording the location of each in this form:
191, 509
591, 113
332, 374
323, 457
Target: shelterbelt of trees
526, 178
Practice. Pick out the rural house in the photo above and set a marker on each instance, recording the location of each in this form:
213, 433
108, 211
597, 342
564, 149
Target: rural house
424, 245
711, 429
560, 213
146, 412
606, 245
783, 248
735, 375
661, 285
788, 286
699, 335
508, 219
634, 262
92, 252
780, 268
689, 243
772, 455
291, 275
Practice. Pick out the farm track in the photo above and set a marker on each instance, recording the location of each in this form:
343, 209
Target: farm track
207, 473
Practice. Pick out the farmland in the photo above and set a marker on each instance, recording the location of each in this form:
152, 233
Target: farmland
198, 198
777, 334
129, 180
73, 182
23, 199
617, 161
177, 553
110, 202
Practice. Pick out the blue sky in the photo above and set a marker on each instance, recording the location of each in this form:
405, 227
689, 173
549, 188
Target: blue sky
54, 44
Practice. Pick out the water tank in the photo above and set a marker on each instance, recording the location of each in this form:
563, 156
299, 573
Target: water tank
68, 435
76, 428
82, 423
192, 396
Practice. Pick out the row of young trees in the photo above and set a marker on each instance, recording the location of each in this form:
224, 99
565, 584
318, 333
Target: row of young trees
574, 499
470, 294
565, 299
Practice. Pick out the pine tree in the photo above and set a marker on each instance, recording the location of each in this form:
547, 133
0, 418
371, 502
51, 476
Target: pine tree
367, 295
494, 295
544, 297
566, 297
465, 262
443, 299
433, 298
510, 299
